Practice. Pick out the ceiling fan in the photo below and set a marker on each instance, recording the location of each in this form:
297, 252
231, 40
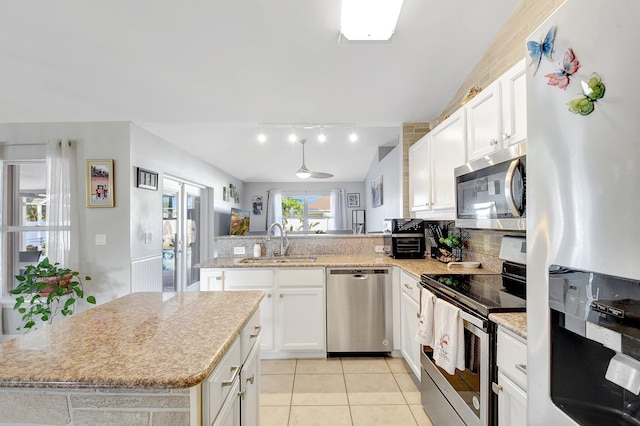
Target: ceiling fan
304, 173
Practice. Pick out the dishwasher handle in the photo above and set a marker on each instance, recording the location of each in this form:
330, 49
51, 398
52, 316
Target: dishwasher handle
360, 276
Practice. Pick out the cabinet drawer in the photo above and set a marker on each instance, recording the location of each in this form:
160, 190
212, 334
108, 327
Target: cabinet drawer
512, 358
250, 334
217, 386
410, 286
248, 278
301, 277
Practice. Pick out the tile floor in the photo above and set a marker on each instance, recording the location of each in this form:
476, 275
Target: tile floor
339, 391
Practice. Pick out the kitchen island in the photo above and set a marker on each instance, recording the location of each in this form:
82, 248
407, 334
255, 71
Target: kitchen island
139, 359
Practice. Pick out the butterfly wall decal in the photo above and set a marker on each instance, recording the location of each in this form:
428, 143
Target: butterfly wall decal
570, 66
592, 91
544, 47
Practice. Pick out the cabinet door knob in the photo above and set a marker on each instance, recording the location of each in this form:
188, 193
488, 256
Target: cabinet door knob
496, 388
242, 393
281, 296
268, 295
522, 368
251, 378
493, 142
506, 136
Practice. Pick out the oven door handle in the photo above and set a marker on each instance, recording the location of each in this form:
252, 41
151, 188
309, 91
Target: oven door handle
473, 320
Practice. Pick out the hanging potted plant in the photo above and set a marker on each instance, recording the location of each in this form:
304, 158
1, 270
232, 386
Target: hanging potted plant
46, 289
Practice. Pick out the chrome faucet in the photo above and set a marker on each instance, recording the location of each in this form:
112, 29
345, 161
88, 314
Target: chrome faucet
283, 237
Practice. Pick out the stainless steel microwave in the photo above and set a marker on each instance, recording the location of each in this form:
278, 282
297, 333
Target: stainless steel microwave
491, 191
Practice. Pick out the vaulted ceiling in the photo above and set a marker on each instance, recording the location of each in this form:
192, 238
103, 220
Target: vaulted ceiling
205, 75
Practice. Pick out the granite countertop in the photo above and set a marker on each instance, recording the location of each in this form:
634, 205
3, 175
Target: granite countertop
142, 340
516, 322
415, 267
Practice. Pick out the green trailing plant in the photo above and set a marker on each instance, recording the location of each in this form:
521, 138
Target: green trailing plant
46, 289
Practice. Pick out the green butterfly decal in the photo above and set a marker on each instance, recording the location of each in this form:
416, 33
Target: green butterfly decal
592, 91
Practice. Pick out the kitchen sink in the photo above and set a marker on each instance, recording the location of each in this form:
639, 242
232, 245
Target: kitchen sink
283, 259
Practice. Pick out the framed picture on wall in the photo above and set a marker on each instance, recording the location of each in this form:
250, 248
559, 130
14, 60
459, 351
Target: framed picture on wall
257, 205
146, 179
376, 191
100, 189
353, 199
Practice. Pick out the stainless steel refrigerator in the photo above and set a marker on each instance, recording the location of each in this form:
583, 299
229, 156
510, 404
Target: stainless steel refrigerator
583, 163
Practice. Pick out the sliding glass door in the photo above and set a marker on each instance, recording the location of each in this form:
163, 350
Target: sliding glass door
181, 240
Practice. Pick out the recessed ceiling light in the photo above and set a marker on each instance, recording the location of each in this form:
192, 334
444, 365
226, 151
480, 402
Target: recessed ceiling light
262, 138
369, 19
353, 136
292, 136
322, 138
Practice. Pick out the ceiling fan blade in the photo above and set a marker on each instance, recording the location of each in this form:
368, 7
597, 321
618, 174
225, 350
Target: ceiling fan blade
321, 175
304, 173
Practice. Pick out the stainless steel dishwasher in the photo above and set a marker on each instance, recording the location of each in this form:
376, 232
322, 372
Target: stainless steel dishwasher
359, 311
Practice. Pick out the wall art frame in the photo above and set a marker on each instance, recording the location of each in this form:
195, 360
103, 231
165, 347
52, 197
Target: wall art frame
353, 199
146, 179
100, 183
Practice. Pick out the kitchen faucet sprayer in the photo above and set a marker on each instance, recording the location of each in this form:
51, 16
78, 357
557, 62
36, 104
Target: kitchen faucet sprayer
283, 237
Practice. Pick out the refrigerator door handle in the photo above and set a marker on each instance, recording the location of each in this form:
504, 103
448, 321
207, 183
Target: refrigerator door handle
508, 188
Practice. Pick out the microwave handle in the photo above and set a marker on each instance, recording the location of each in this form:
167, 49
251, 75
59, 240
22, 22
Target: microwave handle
507, 188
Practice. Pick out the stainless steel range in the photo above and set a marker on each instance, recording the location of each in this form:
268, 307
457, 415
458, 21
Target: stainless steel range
465, 398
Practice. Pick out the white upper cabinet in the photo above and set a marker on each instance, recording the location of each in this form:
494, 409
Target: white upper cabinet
420, 175
483, 122
513, 86
431, 163
497, 116
448, 147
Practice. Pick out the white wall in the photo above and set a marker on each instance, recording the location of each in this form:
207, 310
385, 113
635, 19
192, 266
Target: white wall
260, 189
108, 265
390, 170
150, 152
136, 211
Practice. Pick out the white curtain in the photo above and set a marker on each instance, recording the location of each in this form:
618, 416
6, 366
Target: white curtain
338, 210
274, 207
61, 169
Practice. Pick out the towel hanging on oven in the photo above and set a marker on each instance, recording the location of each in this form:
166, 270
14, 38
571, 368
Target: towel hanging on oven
424, 334
448, 349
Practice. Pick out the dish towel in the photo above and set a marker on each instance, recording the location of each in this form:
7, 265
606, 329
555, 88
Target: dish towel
424, 335
448, 352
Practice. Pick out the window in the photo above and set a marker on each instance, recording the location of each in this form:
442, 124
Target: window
308, 213
25, 217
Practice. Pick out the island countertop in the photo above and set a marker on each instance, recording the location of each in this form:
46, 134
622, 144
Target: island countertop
139, 341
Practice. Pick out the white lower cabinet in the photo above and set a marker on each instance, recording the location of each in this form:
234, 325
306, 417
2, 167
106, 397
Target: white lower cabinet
229, 414
512, 403
293, 315
230, 395
250, 389
512, 379
300, 326
409, 311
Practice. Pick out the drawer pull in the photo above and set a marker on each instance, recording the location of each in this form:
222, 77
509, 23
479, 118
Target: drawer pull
522, 368
407, 286
268, 295
251, 378
218, 278
235, 369
496, 388
258, 328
